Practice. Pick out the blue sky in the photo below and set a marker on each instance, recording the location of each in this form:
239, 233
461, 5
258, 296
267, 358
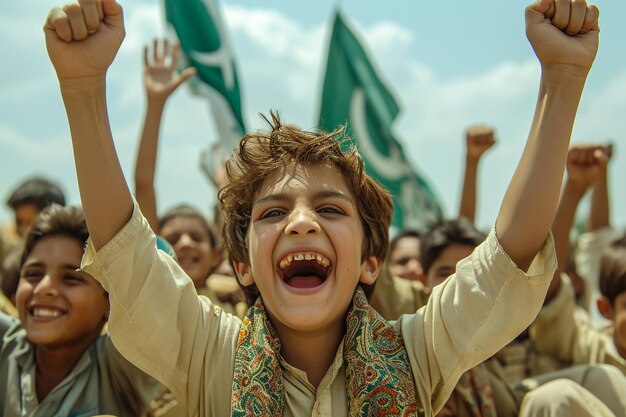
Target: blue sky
449, 66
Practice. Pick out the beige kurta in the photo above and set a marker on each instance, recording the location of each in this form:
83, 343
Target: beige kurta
160, 324
394, 296
588, 257
557, 332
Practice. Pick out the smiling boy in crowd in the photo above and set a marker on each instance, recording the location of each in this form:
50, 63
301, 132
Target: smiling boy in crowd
55, 361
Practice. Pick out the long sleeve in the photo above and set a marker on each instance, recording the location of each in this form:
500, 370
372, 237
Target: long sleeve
473, 314
160, 324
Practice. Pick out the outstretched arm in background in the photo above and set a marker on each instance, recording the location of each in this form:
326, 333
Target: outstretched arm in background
599, 214
564, 35
584, 164
160, 81
478, 139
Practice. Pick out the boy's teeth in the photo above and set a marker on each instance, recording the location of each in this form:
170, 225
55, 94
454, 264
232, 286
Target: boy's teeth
322, 260
44, 312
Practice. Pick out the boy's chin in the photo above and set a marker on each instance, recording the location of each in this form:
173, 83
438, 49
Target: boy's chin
307, 317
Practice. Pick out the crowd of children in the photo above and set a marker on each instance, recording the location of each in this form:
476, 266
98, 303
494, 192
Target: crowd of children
294, 301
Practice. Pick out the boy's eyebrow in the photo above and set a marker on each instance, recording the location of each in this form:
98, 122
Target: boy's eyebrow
73, 267
316, 196
32, 263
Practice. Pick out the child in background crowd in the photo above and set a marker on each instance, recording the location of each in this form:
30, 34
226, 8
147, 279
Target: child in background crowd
306, 228
404, 256
54, 360
29, 198
26, 201
486, 390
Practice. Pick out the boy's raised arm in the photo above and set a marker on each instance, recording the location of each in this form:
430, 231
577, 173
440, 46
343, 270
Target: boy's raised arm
478, 140
564, 35
160, 81
82, 40
600, 211
584, 163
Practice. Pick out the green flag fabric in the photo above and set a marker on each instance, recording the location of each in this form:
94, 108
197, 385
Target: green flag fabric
353, 94
200, 30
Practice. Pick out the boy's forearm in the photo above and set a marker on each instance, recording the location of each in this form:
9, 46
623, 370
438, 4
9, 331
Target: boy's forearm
467, 207
145, 165
599, 215
530, 202
104, 194
563, 221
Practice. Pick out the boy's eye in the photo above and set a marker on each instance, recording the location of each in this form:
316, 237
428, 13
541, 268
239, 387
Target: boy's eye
329, 210
272, 213
73, 277
401, 261
197, 237
70, 278
32, 275
172, 239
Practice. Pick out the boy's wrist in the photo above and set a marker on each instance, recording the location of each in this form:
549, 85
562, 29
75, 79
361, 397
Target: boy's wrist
574, 189
472, 159
155, 103
564, 77
80, 85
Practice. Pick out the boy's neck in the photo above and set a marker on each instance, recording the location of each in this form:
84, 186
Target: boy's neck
54, 365
311, 352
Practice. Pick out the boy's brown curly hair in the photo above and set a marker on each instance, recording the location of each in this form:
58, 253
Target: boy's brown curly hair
262, 154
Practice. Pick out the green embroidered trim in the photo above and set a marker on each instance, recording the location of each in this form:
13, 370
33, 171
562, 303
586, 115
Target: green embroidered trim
379, 380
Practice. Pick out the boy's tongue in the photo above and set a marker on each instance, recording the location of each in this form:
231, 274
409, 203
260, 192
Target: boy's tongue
309, 281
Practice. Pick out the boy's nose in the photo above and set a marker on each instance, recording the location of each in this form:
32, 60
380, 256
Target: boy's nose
184, 240
415, 267
45, 286
302, 223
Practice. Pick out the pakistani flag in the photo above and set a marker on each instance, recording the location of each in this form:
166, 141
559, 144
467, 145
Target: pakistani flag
353, 94
199, 27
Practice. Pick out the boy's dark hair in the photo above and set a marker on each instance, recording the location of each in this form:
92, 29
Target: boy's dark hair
39, 192
55, 221
444, 233
11, 271
401, 235
262, 154
187, 211
612, 279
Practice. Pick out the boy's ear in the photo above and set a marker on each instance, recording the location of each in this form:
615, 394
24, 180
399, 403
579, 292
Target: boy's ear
370, 268
605, 308
244, 273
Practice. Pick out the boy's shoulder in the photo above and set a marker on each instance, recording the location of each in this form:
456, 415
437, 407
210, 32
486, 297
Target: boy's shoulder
12, 336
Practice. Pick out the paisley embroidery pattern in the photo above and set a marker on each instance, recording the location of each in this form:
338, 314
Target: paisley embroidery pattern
379, 380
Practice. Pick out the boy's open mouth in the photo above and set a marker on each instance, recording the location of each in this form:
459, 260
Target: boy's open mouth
304, 270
